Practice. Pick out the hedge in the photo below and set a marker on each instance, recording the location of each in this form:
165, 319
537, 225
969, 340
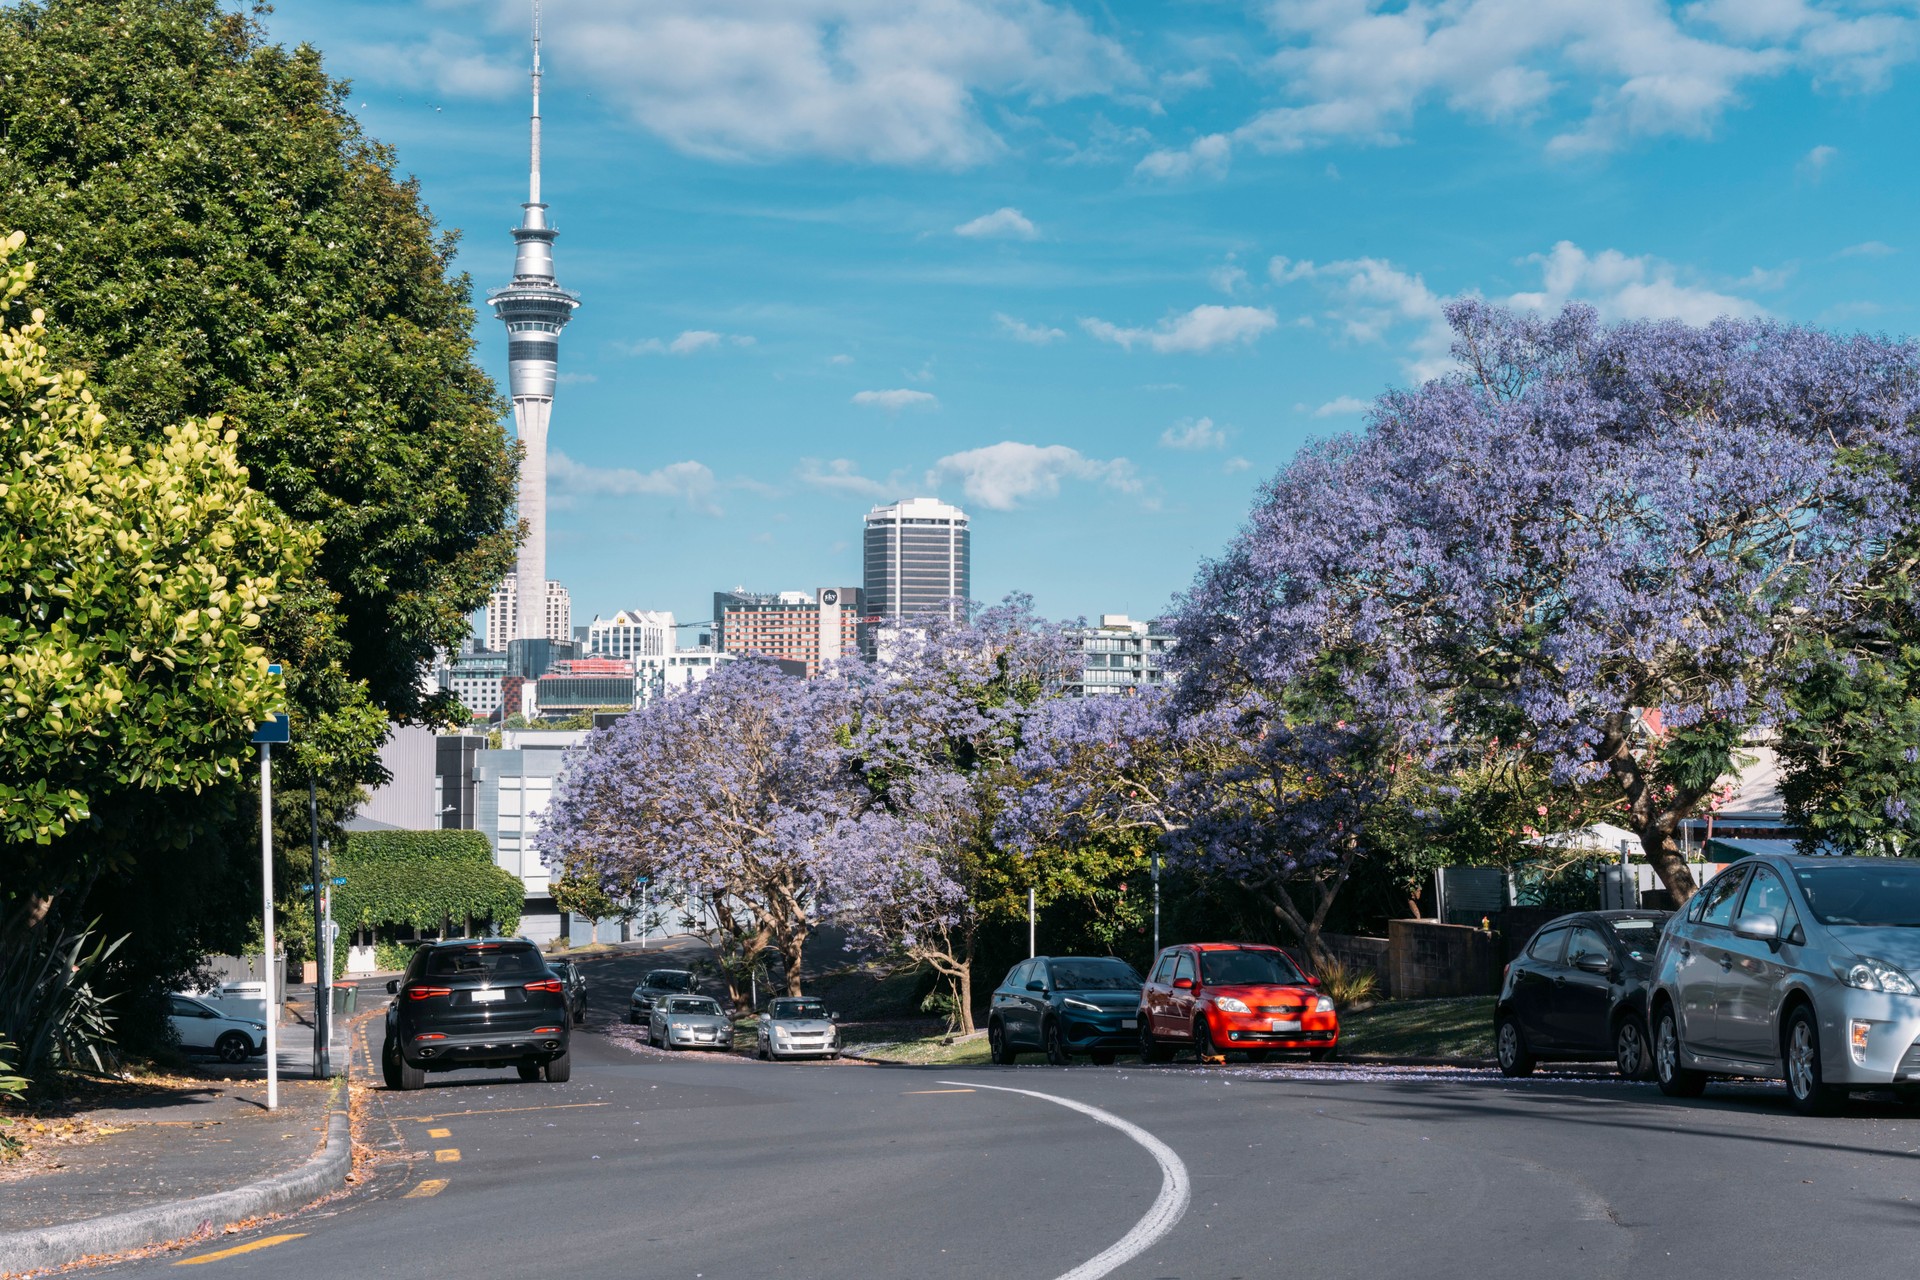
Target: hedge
423, 879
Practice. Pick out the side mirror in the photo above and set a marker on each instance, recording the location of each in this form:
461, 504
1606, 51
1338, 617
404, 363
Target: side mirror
1590, 963
1312, 981
1036, 985
393, 986
833, 1017
1183, 984
1757, 928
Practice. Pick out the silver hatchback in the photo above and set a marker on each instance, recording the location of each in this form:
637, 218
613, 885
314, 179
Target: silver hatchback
1795, 968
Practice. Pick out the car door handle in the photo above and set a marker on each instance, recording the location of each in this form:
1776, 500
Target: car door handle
1726, 963
1560, 981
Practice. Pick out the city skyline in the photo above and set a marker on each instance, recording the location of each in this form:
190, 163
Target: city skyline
1110, 272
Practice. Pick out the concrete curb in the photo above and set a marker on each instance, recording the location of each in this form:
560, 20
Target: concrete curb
49, 1247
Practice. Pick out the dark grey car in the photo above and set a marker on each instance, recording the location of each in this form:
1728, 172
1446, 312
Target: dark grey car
661, 982
1795, 968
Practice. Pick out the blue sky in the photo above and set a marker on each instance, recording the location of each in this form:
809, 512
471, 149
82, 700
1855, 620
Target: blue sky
1093, 270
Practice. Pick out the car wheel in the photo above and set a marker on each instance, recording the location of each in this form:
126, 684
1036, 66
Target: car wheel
999, 1048
528, 1070
1151, 1050
390, 1064
633, 1019
1056, 1044
1810, 1096
1203, 1046
760, 1051
1102, 1057
1510, 1047
1320, 1055
1631, 1053
408, 1076
233, 1047
560, 1069
1676, 1080
1259, 1055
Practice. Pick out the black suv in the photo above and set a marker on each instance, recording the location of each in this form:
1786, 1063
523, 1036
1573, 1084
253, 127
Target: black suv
576, 983
468, 1003
1579, 993
661, 982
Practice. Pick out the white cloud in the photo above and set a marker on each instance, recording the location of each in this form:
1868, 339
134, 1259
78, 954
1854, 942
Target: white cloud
1235, 465
1229, 278
900, 82
1208, 156
895, 400
1601, 71
448, 63
689, 342
842, 358
1625, 288
1343, 407
1005, 475
1202, 329
1373, 300
1194, 433
840, 475
1019, 331
1813, 165
692, 482
1007, 222
1868, 249
570, 379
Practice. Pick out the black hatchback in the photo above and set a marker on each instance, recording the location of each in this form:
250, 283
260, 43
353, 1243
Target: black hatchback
476, 1003
1578, 993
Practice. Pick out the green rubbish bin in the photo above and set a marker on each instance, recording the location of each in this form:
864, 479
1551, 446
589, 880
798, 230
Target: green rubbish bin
346, 998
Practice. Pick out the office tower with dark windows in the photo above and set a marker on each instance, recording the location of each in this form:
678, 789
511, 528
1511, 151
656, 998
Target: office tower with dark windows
917, 558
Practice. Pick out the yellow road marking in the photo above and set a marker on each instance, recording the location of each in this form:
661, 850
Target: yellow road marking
430, 1187
439, 1133
916, 1092
501, 1111
447, 1155
264, 1243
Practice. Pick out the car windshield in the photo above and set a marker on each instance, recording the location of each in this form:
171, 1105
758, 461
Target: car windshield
788, 1009
1247, 969
668, 980
1094, 975
693, 1004
1638, 936
1886, 896
484, 962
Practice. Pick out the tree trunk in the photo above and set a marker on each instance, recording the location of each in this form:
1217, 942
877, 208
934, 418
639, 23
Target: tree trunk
963, 994
795, 947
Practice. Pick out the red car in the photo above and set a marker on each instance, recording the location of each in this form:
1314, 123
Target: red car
1216, 996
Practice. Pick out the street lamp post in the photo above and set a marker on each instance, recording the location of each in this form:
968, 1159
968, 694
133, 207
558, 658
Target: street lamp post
266, 733
1156, 900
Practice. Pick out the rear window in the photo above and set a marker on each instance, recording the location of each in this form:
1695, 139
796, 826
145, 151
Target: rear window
484, 962
1094, 975
692, 1004
1248, 968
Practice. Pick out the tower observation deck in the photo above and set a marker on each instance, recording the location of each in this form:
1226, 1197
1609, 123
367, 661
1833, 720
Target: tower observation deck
535, 309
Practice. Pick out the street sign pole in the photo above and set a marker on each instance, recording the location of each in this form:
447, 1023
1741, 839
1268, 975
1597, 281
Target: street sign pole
322, 971
266, 923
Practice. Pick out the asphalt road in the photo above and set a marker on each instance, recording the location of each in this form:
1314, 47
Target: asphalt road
658, 1165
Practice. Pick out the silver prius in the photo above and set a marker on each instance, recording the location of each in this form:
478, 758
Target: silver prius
689, 1022
796, 1027
1797, 968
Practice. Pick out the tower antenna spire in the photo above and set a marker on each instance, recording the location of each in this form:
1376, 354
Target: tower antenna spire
533, 178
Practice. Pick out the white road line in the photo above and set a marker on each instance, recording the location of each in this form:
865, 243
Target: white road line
1167, 1207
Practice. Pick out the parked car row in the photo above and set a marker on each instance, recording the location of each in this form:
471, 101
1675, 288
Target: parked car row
1210, 997
678, 1017
1783, 967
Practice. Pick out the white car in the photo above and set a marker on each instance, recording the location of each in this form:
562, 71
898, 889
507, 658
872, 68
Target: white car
797, 1027
204, 1028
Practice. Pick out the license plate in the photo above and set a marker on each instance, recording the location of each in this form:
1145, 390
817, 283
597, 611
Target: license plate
1284, 1024
1128, 1024
488, 997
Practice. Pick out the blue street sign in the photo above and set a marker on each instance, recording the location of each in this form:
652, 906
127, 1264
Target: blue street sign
278, 729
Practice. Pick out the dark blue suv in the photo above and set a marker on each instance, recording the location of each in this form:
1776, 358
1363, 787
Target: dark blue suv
1063, 1005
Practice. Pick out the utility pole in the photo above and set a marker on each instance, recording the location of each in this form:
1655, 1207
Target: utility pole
266, 923
322, 959
1156, 901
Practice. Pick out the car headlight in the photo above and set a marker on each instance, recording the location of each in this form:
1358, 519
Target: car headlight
1227, 1004
1088, 1005
1323, 1004
1870, 974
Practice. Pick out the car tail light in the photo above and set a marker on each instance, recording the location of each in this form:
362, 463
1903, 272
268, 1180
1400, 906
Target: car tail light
427, 993
429, 1035
552, 985
546, 1031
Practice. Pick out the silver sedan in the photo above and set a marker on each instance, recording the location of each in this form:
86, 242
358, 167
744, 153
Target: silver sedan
797, 1027
689, 1022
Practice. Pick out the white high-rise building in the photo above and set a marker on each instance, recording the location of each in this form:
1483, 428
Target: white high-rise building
632, 633
917, 556
503, 614
535, 309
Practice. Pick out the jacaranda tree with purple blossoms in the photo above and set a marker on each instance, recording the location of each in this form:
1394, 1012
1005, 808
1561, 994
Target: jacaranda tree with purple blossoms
932, 739
733, 799
1583, 524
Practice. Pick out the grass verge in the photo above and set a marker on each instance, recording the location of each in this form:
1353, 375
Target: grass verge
931, 1051
1461, 1028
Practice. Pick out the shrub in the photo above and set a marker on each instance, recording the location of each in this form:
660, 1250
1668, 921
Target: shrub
423, 879
1348, 985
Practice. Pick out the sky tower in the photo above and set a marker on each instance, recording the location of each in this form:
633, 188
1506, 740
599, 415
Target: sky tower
535, 309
